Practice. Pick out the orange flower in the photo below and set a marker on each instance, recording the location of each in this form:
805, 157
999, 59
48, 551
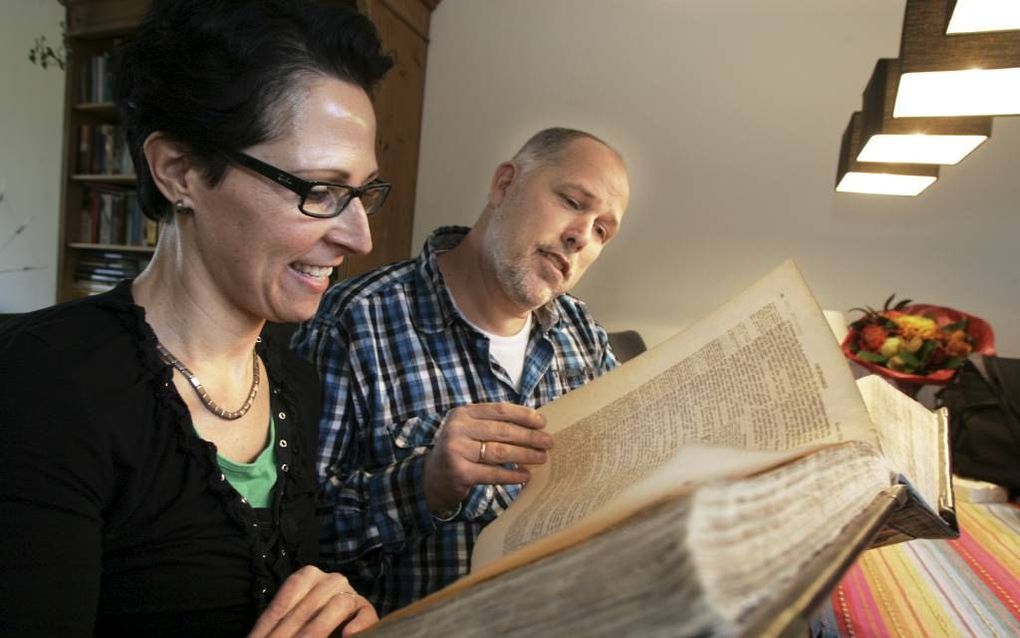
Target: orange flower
957, 345
873, 336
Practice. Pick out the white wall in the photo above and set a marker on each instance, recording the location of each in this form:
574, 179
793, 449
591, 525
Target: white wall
31, 124
729, 113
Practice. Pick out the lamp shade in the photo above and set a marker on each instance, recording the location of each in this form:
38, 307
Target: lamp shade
920, 140
952, 75
977, 16
877, 178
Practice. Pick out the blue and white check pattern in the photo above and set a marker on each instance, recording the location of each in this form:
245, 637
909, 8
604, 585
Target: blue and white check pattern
395, 356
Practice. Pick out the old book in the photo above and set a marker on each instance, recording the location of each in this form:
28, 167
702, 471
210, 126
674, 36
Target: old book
718, 484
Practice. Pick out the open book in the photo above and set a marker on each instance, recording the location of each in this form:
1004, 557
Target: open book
718, 484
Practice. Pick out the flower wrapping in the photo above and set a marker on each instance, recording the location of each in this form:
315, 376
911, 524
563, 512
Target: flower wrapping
918, 343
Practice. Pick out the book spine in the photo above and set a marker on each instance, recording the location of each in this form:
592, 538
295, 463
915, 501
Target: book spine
85, 148
109, 161
97, 70
105, 219
151, 232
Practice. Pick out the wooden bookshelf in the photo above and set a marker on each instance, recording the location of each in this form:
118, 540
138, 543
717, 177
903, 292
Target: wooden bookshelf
104, 111
104, 179
111, 247
94, 27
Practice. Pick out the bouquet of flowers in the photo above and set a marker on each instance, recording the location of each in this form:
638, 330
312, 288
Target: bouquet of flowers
916, 343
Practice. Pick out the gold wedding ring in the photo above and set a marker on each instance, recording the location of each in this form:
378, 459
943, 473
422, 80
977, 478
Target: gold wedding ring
481, 453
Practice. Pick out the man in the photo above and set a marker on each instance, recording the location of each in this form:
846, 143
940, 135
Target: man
432, 368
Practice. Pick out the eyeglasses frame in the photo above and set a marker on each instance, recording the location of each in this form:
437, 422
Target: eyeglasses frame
304, 187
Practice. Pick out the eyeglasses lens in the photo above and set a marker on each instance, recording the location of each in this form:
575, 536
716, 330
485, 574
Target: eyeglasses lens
329, 201
373, 198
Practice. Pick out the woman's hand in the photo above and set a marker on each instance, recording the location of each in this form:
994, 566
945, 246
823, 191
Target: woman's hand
313, 603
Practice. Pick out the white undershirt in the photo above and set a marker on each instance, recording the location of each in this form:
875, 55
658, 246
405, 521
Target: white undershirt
507, 351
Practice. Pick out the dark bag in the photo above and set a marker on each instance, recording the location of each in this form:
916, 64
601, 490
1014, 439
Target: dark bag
984, 420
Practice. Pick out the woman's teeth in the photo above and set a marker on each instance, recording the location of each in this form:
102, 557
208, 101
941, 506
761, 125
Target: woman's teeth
314, 271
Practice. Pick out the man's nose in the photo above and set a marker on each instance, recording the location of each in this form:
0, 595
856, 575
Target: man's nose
576, 237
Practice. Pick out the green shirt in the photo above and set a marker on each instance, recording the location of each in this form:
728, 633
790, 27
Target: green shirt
254, 481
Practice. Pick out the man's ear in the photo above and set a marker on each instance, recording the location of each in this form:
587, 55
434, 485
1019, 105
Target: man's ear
169, 165
504, 177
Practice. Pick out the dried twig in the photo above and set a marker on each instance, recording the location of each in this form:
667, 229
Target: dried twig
10, 239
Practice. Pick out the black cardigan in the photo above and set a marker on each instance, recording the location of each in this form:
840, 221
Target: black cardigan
116, 518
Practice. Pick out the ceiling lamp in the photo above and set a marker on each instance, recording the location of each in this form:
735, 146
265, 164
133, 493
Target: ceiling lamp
963, 74
912, 140
977, 16
854, 176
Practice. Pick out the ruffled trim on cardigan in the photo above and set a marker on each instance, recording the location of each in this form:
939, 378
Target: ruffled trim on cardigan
120, 303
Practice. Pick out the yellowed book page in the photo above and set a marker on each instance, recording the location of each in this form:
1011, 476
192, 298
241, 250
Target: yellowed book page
909, 436
761, 373
837, 323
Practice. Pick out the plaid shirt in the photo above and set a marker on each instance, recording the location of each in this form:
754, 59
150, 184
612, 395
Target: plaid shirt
395, 356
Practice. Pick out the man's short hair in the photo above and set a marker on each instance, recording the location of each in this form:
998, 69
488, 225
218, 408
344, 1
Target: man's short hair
544, 147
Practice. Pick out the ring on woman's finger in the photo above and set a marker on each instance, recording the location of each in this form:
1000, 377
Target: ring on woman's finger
481, 453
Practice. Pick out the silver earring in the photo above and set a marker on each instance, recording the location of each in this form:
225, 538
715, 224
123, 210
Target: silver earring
181, 209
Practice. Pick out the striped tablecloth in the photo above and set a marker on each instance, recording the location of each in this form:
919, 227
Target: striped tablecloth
965, 587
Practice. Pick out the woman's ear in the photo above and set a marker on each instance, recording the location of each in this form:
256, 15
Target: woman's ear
169, 165
505, 175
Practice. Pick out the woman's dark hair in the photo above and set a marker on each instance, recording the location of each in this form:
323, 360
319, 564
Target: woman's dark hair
215, 75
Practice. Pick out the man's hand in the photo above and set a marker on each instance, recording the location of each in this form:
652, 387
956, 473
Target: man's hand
474, 444
314, 603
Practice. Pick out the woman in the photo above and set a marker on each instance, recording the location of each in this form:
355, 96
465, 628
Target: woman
158, 478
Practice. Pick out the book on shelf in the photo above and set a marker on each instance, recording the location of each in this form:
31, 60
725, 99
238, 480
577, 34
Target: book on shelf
103, 150
112, 215
718, 484
83, 163
150, 231
96, 80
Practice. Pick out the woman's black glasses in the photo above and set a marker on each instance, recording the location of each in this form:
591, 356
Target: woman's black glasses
318, 199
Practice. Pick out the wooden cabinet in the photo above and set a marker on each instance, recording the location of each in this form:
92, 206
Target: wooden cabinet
403, 27
94, 27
